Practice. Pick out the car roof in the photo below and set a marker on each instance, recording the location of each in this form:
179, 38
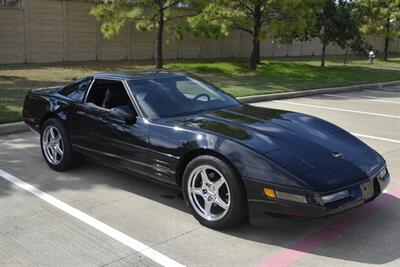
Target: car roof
137, 75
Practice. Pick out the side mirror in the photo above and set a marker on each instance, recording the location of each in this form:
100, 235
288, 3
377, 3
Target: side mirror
122, 114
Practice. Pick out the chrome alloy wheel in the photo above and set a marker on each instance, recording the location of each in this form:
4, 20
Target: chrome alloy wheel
208, 192
53, 146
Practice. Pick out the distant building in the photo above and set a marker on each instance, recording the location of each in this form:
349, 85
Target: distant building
62, 30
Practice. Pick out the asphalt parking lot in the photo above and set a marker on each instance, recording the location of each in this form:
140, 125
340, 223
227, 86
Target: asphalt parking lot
97, 216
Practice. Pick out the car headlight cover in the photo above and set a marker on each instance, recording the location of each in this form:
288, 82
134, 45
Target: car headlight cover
291, 197
382, 174
335, 197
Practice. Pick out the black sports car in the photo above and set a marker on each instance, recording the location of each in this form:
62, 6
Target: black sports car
232, 161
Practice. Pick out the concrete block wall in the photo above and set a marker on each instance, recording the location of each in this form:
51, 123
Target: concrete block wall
62, 30
189, 47
44, 30
12, 36
307, 48
230, 46
395, 46
267, 47
210, 48
80, 32
141, 44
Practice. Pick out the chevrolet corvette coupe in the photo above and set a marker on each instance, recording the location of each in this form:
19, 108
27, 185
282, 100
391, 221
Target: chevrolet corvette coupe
231, 161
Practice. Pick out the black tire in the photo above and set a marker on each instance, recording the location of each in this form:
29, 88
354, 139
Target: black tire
237, 211
69, 158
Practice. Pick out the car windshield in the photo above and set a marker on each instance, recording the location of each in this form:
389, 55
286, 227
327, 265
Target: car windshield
177, 96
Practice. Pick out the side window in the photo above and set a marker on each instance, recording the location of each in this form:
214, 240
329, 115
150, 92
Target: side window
76, 90
110, 94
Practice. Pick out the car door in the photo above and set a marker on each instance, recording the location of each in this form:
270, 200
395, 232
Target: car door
109, 139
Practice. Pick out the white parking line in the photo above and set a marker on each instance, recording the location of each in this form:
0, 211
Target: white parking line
388, 92
377, 138
339, 109
102, 227
365, 98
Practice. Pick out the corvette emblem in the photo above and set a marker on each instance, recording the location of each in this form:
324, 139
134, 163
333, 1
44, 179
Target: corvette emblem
337, 155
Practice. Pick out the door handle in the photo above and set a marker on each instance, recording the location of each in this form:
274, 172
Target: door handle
79, 112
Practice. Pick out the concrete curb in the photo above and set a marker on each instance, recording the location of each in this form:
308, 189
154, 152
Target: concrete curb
267, 97
15, 127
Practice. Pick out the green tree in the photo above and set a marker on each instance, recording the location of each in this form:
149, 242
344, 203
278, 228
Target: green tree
147, 15
350, 36
337, 22
383, 20
254, 17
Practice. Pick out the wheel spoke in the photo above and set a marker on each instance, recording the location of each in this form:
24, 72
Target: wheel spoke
57, 140
197, 191
221, 203
54, 154
204, 177
48, 151
47, 138
51, 152
52, 134
207, 207
58, 150
218, 184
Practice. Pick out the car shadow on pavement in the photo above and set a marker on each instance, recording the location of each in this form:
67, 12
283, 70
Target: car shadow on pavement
22, 157
368, 234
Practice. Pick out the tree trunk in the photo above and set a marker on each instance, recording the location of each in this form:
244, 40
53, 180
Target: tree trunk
160, 32
255, 53
387, 29
258, 52
386, 51
323, 54
346, 51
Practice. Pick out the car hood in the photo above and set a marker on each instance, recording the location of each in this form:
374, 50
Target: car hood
323, 155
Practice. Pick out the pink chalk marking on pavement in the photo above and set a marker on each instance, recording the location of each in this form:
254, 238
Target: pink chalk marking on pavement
288, 256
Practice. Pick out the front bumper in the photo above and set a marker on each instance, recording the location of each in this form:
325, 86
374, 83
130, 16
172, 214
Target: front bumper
261, 206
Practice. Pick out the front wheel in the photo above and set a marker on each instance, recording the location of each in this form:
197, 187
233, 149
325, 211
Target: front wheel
214, 193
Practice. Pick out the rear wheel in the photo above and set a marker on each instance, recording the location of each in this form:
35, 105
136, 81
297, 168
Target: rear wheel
214, 193
56, 147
